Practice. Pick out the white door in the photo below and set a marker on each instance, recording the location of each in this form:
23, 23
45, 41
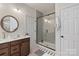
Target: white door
70, 31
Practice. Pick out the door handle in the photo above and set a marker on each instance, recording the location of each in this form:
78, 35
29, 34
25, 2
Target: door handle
62, 36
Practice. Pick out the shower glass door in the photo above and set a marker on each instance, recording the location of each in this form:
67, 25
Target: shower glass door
46, 31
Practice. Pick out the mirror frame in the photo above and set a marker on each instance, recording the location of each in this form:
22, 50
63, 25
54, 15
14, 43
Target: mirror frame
4, 28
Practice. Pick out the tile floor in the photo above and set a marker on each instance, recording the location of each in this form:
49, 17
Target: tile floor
42, 51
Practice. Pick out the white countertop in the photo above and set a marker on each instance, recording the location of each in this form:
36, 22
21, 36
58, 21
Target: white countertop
12, 39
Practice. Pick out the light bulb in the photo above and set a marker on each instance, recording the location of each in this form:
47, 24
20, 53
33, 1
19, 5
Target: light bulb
49, 21
46, 20
17, 10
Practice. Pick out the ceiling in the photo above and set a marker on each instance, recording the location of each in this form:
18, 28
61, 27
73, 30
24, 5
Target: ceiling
45, 8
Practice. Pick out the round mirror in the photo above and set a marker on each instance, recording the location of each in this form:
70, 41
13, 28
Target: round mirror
9, 23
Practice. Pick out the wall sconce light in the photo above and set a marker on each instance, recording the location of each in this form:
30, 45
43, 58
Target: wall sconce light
17, 10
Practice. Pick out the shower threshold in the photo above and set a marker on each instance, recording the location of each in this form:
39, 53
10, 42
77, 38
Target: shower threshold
48, 45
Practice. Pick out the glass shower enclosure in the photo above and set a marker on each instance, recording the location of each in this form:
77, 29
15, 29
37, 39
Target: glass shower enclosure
46, 31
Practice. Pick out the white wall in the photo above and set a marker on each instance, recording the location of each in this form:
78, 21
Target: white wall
25, 15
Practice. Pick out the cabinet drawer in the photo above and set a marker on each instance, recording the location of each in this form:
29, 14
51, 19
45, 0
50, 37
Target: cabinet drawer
15, 49
4, 45
4, 52
15, 42
15, 54
25, 48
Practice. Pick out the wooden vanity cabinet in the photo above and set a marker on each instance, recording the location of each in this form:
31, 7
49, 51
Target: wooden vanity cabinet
4, 49
4, 52
25, 47
15, 48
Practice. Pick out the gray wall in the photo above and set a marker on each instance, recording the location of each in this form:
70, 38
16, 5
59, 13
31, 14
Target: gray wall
9, 9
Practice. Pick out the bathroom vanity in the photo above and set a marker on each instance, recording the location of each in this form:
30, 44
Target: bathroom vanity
15, 47
18, 46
